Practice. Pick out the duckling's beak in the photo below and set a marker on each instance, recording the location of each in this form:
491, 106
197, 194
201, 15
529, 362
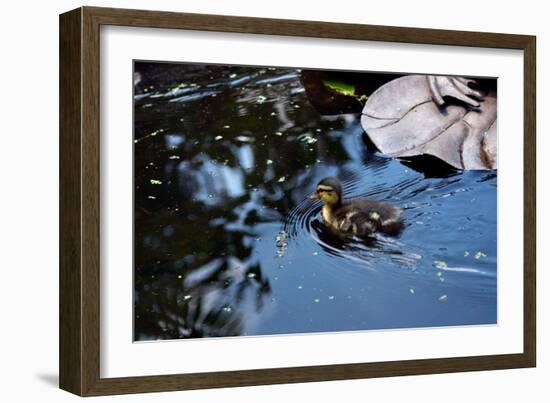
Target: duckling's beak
314, 196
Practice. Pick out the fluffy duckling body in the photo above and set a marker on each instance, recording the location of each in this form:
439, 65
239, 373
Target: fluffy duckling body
360, 217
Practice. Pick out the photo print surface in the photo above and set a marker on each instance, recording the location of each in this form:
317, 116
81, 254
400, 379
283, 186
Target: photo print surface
275, 200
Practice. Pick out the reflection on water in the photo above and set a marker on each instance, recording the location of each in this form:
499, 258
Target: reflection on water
227, 243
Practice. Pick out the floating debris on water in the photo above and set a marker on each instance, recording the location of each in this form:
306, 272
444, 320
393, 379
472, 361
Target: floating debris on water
261, 99
174, 157
278, 133
466, 253
281, 243
218, 138
281, 237
227, 308
440, 264
187, 297
316, 300
269, 162
155, 182
178, 87
227, 127
151, 197
443, 298
479, 255
282, 179
300, 287
411, 290
251, 275
315, 253
309, 139
331, 297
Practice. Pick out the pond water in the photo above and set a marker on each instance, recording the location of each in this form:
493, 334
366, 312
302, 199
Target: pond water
228, 244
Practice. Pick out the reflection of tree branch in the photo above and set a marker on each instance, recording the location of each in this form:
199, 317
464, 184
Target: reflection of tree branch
194, 274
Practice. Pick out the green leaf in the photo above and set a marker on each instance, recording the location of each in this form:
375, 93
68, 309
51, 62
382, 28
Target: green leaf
340, 87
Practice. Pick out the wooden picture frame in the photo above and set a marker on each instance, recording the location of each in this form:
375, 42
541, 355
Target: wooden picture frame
80, 184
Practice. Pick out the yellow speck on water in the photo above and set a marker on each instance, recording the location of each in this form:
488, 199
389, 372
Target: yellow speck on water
479, 255
440, 264
155, 182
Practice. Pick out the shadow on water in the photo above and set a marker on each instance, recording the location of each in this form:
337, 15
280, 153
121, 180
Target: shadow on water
227, 244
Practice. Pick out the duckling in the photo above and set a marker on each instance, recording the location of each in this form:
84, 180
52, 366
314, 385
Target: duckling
360, 217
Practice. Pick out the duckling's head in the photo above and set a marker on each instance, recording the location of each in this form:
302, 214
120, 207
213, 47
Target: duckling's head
329, 190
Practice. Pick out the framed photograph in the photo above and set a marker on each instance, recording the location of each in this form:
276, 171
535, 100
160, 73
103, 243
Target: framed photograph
249, 201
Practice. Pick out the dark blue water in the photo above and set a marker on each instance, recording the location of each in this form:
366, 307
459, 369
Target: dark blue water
227, 243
